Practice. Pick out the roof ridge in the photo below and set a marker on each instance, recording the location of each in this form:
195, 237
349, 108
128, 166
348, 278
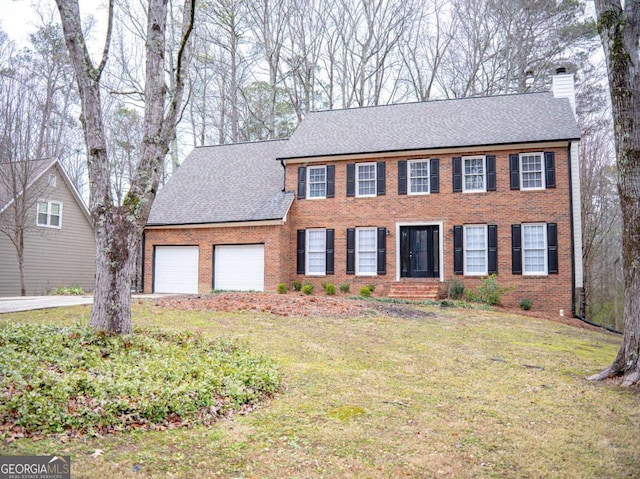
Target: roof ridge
256, 142
437, 100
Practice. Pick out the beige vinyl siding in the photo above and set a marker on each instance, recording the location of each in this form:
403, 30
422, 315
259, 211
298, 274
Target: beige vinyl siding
53, 257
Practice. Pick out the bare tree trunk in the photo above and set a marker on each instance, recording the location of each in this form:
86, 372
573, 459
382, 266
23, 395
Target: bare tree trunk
118, 228
619, 28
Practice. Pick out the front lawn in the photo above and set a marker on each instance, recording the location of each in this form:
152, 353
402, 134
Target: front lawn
431, 393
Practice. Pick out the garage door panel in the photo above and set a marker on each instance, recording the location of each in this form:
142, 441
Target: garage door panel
239, 267
176, 269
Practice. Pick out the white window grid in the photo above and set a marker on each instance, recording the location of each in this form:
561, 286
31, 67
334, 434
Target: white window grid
534, 249
476, 258
418, 177
317, 182
366, 251
316, 252
49, 214
366, 179
474, 174
532, 171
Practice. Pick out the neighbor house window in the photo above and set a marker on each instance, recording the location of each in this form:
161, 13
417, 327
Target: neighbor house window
534, 248
418, 177
52, 180
316, 252
531, 171
475, 250
474, 174
366, 251
49, 214
366, 179
317, 181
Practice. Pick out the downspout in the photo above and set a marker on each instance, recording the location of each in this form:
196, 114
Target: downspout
573, 246
284, 167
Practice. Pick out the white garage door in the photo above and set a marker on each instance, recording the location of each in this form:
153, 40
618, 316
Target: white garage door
239, 268
176, 269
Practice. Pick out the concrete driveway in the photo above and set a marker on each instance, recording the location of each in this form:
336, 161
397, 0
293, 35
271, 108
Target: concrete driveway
27, 303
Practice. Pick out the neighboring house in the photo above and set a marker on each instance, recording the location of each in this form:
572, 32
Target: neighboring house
405, 197
59, 247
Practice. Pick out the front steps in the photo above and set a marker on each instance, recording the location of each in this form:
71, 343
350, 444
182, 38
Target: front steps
415, 291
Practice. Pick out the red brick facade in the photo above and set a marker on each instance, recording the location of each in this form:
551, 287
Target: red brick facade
503, 207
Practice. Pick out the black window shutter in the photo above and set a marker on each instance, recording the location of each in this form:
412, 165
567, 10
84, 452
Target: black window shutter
434, 176
492, 242
302, 182
516, 249
457, 174
351, 179
550, 169
301, 252
351, 251
402, 177
552, 247
458, 251
331, 181
491, 173
514, 171
382, 250
382, 182
330, 253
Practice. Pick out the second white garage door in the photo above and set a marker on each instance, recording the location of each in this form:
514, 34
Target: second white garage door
176, 269
239, 268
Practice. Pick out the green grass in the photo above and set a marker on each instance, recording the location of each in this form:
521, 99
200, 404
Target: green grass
453, 393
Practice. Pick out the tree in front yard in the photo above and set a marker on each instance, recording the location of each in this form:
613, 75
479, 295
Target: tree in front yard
118, 227
619, 28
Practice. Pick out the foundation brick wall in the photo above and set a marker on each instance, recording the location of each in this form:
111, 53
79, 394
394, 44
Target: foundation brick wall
502, 207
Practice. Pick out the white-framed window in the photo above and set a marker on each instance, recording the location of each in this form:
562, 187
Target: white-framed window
317, 182
534, 249
49, 214
476, 257
366, 251
474, 174
418, 177
532, 171
366, 179
52, 180
316, 260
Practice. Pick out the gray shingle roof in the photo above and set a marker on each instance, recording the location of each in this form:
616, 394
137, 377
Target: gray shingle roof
464, 122
227, 183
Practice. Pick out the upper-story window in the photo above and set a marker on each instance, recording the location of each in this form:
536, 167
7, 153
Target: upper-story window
49, 214
317, 181
531, 171
418, 177
52, 180
365, 179
474, 174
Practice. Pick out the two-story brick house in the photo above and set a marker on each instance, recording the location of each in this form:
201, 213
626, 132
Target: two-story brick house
411, 194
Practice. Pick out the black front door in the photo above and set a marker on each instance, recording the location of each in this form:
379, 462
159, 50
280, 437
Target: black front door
420, 251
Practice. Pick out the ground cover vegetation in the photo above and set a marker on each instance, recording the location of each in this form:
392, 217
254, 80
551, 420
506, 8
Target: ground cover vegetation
75, 380
378, 389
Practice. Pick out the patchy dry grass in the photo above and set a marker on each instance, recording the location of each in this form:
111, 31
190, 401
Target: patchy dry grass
451, 394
